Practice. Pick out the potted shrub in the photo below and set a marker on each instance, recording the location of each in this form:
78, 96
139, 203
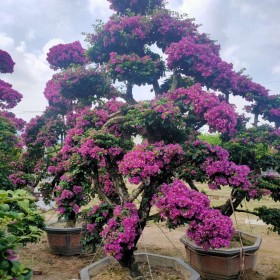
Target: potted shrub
64, 237
223, 263
91, 153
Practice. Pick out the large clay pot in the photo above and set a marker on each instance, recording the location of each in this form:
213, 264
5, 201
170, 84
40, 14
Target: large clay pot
222, 263
64, 241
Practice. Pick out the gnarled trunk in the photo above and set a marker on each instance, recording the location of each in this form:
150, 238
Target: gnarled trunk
71, 222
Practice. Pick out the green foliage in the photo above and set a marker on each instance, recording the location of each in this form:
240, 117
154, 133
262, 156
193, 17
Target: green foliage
213, 139
95, 217
182, 82
9, 152
270, 216
107, 140
20, 223
272, 184
146, 119
253, 147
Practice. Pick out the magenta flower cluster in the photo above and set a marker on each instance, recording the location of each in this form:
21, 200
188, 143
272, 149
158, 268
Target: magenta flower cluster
107, 185
120, 231
6, 62
9, 97
69, 197
179, 204
122, 31
166, 108
219, 115
18, 123
169, 29
62, 56
18, 179
52, 94
211, 230
146, 161
89, 149
200, 61
221, 118
222, 172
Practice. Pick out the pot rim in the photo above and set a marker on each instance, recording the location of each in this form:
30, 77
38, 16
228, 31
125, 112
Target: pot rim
225, 251
50, 228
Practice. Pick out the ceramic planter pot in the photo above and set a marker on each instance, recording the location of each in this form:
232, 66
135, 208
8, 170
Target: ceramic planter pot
64, 241
177, 264
223, 263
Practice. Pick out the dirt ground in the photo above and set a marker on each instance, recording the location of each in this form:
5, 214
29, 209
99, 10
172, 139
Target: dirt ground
155, 239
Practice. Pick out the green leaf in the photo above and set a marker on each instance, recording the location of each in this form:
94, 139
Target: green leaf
4, 264
24, 205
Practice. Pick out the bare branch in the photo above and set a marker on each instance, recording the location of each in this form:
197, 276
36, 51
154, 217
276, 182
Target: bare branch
117, 180
192, 185
115, 120
136, 192
246, 211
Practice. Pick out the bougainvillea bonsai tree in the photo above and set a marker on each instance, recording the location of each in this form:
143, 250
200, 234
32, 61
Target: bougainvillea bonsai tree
84, 140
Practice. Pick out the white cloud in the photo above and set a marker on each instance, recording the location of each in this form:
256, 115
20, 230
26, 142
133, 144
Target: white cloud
6, 42
99, 9
21, 47
230, 54
52, 43
193, 8
30, 75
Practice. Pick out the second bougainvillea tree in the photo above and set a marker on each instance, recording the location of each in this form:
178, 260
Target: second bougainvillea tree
10, 147
93, 153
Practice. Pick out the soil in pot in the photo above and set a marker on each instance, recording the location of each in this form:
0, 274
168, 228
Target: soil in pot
62, 224
117, 272
235, 242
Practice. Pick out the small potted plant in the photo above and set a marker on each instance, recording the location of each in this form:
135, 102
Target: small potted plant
64, 236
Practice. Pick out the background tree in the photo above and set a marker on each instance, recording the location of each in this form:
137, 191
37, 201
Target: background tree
20, 222
10, 147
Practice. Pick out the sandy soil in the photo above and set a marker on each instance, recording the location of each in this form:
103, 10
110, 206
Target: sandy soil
155, 239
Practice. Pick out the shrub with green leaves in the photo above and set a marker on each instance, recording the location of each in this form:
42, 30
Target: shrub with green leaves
20, 222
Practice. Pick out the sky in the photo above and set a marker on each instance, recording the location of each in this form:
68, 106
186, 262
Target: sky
247, 30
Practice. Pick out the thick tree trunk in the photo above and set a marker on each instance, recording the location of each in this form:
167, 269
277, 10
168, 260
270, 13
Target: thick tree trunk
174, 81
156, 88
117, 180
128, 260
227, 97
256, 120
129, 95
230, 205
